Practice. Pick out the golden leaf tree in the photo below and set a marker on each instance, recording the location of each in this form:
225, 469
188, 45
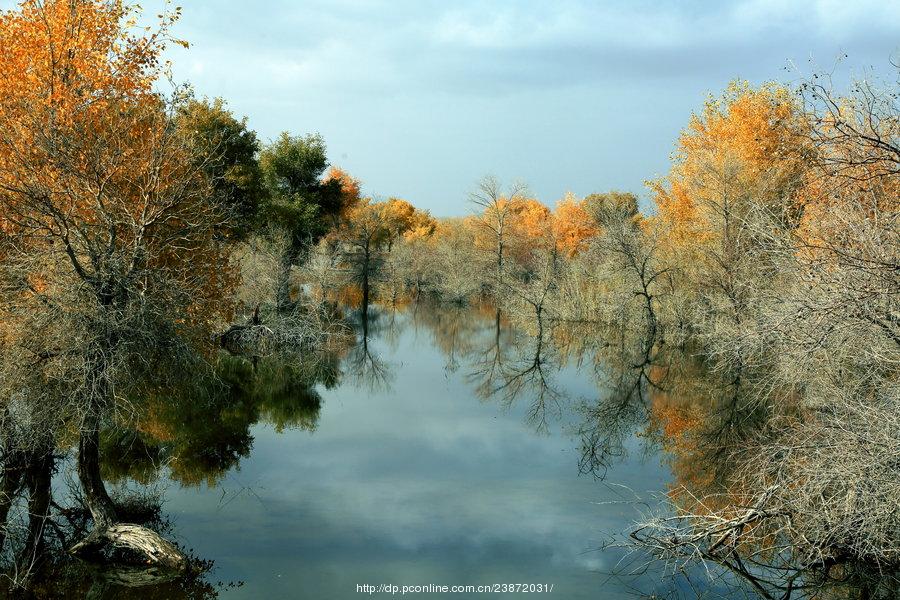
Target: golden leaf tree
737, 172
110, 266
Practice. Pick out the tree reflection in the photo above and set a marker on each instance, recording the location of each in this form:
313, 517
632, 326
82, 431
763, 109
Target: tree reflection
626, 369
204, 432
193, 428
456, 329
41, 523
367, 368
488, 364
529, 374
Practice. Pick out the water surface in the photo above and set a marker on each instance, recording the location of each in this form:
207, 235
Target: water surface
441, 453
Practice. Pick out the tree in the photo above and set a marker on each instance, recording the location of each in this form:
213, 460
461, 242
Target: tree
611, 207
409, 245
496, 220
406, 221
532, 230
802, 240
628, 248
366, 230
747, 139
738, 171
110, 265
345, 191
292, 169
450, 274
572, 224
227, 150
302, 204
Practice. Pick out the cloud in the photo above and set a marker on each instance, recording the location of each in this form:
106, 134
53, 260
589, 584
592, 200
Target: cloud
418, 98
477, 48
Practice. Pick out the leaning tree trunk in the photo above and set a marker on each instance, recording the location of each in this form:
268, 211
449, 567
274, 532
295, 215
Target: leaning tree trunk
107, 532
101, 506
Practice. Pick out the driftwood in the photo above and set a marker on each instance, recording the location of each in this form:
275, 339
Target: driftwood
153, 548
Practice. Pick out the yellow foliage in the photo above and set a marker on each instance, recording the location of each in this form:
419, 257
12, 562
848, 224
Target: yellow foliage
749, 137
572, 225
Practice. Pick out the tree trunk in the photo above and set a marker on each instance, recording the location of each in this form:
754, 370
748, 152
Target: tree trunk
98, 501
283, 292
499, 266
107, 532
365, 282
38, 476
148, 543
13, 470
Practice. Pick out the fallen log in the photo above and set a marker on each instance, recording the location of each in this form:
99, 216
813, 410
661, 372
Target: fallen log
151, 547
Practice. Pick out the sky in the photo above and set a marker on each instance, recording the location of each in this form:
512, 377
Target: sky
421, 98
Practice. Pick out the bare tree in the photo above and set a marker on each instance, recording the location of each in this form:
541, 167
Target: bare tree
811, 504
496, 218
109, 245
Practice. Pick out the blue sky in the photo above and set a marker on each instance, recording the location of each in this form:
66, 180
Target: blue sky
420, 98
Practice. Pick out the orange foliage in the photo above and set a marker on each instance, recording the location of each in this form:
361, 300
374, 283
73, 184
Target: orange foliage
350, 187
572, 225
89, 165
747, 137
532, 220
407, 221
526, 223
64, 65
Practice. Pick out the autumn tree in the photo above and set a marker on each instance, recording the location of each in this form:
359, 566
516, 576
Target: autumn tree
495, 220
408, 246
573, 225
406, 221
110, 265
800, 238
367, 229
361, 238
737, 171
532, 228
345, 187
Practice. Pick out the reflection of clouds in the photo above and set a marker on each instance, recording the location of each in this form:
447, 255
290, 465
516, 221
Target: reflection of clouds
420, 481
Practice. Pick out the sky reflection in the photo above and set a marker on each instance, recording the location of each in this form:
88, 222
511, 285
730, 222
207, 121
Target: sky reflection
420, 483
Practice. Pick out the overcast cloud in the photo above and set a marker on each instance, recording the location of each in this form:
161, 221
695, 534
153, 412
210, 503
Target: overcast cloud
419, 98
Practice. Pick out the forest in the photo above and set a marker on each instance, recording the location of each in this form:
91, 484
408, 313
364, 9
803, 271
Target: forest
145, 235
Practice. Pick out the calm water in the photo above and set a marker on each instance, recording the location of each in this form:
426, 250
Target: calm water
420, 468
